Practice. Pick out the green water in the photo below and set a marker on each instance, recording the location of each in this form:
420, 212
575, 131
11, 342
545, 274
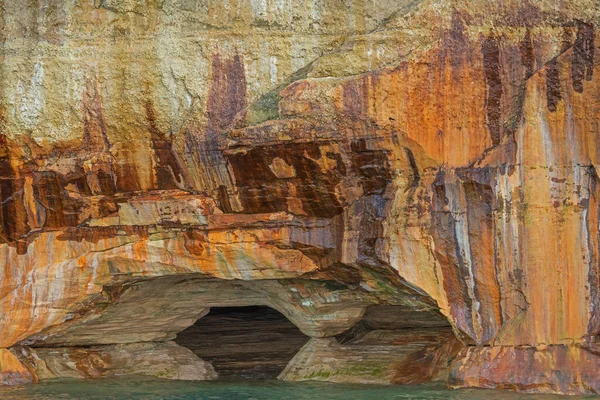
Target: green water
144, 388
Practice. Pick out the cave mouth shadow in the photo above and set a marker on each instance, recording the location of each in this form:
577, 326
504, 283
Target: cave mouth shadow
253, 342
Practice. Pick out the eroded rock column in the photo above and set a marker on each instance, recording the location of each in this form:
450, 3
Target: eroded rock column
391, 345
546, 216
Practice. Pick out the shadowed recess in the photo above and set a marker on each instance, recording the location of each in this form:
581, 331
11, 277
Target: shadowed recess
254, 342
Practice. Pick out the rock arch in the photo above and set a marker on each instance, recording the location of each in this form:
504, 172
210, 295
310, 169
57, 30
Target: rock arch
141, 319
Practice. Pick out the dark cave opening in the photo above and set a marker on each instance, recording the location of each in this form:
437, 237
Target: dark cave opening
254, 342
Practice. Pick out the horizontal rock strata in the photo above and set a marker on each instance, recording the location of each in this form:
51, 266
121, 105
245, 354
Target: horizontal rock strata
162, 360
407, 356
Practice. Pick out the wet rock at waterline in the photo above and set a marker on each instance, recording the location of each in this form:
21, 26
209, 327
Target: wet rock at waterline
406, 182
158, 359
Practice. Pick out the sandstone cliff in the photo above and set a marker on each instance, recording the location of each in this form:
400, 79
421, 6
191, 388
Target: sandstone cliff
386, 174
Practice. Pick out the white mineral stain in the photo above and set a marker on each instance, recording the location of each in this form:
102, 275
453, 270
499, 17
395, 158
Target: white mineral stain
31, 98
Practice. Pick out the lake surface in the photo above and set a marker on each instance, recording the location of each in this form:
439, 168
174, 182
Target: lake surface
145, 388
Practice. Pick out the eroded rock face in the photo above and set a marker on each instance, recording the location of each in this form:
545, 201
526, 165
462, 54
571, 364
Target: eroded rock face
567, 369
158, 159
12, 371
388, 353
159, 359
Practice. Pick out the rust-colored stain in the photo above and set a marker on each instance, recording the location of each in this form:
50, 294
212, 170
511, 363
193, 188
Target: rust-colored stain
195, 242
450, 257
262, 191
167, 169
493, 81
92, 364
527, 51
582, 66
227, 94
553, 95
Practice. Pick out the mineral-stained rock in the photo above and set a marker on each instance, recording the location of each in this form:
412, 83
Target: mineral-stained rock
438, 157
12, 371
391, 344
406, 356
159, 359
564, 369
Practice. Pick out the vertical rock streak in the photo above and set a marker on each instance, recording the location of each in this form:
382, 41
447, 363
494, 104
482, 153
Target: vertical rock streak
493, 81
582, 66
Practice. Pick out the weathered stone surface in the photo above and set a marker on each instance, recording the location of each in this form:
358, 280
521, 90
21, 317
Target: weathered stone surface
12, 371
320, 158
159, 359
157, 309
406, 356
567, 369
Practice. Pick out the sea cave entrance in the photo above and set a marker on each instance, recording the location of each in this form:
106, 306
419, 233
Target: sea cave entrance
254, 342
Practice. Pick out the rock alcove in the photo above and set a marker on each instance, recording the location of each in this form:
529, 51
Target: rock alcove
254, 342
193, 328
